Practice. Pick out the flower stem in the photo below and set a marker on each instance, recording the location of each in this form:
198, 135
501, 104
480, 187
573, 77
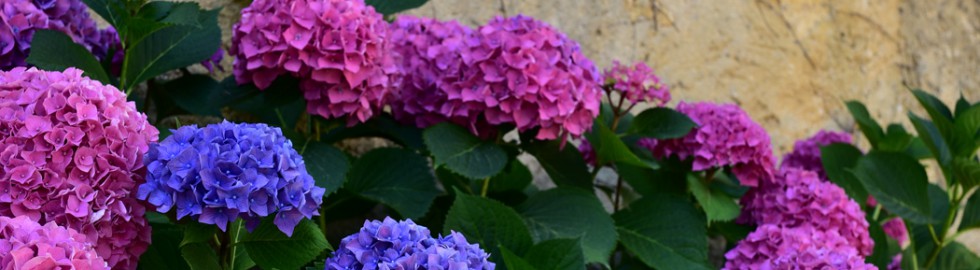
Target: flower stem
619, 191
877, 212
486, 186
233, 233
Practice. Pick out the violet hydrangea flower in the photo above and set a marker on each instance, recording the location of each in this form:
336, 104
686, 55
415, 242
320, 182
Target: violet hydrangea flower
776, 247
521, 71
337, 48
637, 83
25, 244
392, 244
21, 18
725, 137
72, 149
800, 198
895, 228
806, 153
221, 172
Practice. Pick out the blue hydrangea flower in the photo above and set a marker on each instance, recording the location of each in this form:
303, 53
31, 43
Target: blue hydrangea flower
224, 171
392, 244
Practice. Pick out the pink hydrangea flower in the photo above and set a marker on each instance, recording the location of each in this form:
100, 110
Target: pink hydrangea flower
337, 48
637, 83
806, 153
427, 53
895, 228
22, 18
524, 72
725, 137
73, 149
588, 153
25, 244
800, 198
896, 263
777, 247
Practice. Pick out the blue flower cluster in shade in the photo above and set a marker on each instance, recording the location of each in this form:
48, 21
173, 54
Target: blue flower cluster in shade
392, 244
224, 171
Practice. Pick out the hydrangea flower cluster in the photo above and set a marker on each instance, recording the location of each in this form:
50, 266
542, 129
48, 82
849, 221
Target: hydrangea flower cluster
895, 228
72, 149
806, 153
776, 247
392, 244
337, 48
637, 83
524, 72
800, 198
725, 136
427, 53
25, 244
22, 18
224, 171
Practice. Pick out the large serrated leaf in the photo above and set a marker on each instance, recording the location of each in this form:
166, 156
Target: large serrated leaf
665, 232
898, 182
270, 248
327, 164
565, 166
932, 138
662, 123
571, 213
489, 223
971, 213
113, 11
868, 125
937, 111
556, 254
55, 51
716, 204
164, 253
171, 48
956, 256
966, 171
398, 178
389, 7
609, 147
837, 158
200, 256
463, 153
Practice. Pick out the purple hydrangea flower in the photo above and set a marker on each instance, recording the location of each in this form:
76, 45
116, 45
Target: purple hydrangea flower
25, 244
637, 83
392, 244
588, 153
72, 149
725, 137
896, 263
521, 71
224, 171
895, 228
22, 18
337, 48
214, 61
776, 247
800, 198
806, 153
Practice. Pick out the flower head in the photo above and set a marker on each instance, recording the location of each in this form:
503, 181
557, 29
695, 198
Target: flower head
637, 83
214, 61
22, 18
588, 153
806, 153
521, 71
392, 244
895, 228
224, 171
337, 48
25, 244
777, 247
725, 137
800, 198
73, 150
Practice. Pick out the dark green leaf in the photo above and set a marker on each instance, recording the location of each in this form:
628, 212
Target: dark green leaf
961, 106
565, 166
966, 171
197, 233
516, 176
270, 248
389, 7
512, 261
717, 205
326, 164
898, 182
934, 106
55, 51
200, 256
398, 178
868, 125
171, 48
932, 138
939, 204
649, 182
164, 253
662, 123
665, 232
113, 11
194, 93
182, 13
571, 213
489, 223
609, 147
463, 153
971, 213
837, 158
966, 128
895, 140
557, 254
955, 256
882, 253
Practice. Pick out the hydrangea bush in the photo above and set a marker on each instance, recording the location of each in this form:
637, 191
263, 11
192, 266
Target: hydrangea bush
262, 168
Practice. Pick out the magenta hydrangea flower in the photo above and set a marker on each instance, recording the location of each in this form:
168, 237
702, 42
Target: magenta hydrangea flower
806, 153
221, 172
637, 83
895, 228
776, 247
392, 244
427, 53
524, 72
337, 48
72, 149
588, 153
800, 198
725, 137
896, 263
20, 19
25, 244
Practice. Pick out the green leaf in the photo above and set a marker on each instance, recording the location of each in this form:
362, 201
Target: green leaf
966, 129
935, 107
662, 123
868, 125
270, 248
971, 213
932, 138
463, 153
966, 171
171, 48
327, 164
837, 158
880, 256
113, 11
898, 182
717, 205
200, 256
665, 232
609, 147
55, 51
197, 233
895, 140
557, 254
955, 256
194, 93
182, 13
398, 178
565, 166
489, 223
165, 252
516, 176
513, 261
389, 7
571, 213
939, 204
961, 106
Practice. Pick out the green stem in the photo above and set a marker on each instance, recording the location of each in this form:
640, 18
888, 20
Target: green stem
877, 212
953, 210
234, 233
595, 172
486, 186
282, 121
914, 257
619, 191
323, 223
